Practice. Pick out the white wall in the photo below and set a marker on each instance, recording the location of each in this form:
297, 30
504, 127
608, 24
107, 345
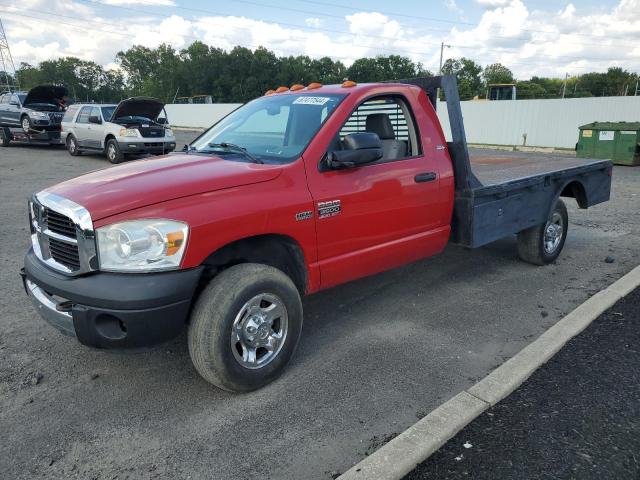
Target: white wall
198, 115
547, 123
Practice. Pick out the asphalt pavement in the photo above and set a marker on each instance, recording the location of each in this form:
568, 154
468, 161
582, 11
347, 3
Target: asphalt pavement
577, 417
375, 355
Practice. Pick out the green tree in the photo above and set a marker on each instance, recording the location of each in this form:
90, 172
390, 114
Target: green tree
497, 73
468, 75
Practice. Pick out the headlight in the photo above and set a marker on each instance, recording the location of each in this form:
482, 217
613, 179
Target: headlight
129, 132
142, 245
168, 132
38, 115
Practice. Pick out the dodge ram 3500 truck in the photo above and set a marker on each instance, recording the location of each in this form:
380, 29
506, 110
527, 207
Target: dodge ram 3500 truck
297, 191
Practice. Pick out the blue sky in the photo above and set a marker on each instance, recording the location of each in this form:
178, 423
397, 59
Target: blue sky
532, 37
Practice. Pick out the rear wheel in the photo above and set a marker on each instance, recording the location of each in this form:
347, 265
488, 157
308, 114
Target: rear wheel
543, 243
4, 139
113, 152
245, 327
72, 146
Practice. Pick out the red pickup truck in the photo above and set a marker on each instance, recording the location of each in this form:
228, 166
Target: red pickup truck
297, 191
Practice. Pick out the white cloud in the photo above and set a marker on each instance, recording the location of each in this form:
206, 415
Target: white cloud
492, 3
453, 6
313, 22
530, 42
162, 3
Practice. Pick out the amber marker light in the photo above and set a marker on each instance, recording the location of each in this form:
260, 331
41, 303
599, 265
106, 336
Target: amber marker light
349, 84
296, 87
270, 92
281, 89
313, 85
174, 242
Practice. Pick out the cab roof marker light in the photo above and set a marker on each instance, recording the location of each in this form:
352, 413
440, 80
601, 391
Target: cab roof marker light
313, 85
349, 84
281, 89
269, 92
296, 87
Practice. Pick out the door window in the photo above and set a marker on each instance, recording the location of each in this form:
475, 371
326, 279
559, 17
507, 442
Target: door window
83, 116
391, 119
95, 112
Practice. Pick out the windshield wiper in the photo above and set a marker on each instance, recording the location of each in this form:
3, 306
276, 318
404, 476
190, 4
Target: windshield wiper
232, 147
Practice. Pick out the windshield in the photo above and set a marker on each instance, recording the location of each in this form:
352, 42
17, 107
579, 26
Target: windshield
107, 112
273, 129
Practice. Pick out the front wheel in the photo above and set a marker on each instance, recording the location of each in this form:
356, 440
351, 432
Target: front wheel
72, 146
543, 243
245, 327
113, 152
26, 124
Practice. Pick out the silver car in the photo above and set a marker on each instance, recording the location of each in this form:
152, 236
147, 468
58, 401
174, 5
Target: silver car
135, 126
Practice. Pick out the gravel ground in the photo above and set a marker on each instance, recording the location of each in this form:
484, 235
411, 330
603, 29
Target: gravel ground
376, 354
577, 417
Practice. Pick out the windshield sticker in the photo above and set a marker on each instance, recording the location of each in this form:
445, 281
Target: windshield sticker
306, 100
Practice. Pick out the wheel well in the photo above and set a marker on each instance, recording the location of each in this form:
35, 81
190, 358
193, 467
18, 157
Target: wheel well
576, 190
277, 251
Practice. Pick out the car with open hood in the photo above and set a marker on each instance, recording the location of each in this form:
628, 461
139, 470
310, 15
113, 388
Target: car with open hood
135, 126
38, 110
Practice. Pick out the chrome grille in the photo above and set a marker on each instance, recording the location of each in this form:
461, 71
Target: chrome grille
65, 253
59, 224
62, 234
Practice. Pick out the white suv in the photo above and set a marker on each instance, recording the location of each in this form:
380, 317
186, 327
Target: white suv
134, 126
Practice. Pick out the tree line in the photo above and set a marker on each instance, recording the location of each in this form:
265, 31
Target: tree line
241, 74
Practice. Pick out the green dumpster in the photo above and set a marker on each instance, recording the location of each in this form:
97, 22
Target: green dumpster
617, 141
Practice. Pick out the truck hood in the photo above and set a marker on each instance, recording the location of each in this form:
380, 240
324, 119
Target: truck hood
147, 107
45, 94
146, 182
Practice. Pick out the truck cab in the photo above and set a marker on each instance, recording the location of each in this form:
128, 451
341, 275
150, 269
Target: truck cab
300, 190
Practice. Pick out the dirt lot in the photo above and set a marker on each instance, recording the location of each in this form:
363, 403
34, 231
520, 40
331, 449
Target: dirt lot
375, 355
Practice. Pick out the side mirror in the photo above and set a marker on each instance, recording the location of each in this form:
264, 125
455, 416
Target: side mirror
15, 104
359, 149
161, 121
95, 119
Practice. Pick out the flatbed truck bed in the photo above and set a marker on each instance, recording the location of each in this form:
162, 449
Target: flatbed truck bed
501, 195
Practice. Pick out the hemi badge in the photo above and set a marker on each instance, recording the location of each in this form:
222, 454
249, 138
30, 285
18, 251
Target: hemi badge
439, 147
304, 215
329, 209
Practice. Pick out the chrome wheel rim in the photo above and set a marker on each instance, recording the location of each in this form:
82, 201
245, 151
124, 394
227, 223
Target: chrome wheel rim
25, 124
553, 231
111, 152
259, 331
72, 145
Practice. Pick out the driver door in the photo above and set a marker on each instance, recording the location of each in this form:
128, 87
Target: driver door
380, 215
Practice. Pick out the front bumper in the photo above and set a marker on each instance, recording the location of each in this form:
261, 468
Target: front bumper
146, 146
110, 310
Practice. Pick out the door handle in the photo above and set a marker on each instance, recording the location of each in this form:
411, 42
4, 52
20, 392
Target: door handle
425, 177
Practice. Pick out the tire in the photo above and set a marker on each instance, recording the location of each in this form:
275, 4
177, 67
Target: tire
541, 245
25, 123
220, 333
4, 140
72, 146
113, 152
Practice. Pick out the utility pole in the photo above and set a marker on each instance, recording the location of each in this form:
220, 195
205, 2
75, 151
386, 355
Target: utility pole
8, 80
442, 45
564, 86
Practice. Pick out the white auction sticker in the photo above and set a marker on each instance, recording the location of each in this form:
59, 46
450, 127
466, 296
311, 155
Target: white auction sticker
307, 100
606, 135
